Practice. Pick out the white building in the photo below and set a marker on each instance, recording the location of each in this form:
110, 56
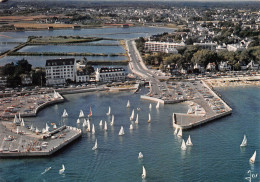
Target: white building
235, 47
207, 45
3, 80
161, 46
82, 76
110, 74
60, 70
223, 66
252, 66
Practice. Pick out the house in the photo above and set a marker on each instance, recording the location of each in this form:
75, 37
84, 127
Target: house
82, 76
211, 67
199, 68
3, 81
171, 51
224, 66
110, 74
58, 71
252, 66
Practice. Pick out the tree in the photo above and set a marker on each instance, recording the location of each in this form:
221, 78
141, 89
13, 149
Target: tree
203, 57
8, 69
90, 69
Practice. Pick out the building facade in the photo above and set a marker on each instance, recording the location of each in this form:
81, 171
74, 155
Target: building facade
110, 74
161, 46
60, 70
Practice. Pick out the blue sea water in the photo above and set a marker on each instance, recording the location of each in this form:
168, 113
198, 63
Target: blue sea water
215, 154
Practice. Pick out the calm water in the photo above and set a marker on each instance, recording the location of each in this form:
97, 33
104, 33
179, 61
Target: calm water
214, 156
115, 33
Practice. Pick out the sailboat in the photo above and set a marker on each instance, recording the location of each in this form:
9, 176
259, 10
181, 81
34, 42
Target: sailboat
84, 123
140, 155
252, 159
136, 120
93, 129
109, 111
150, 106
88, 123
128, 104
183, 145
90, 113
131, 127
46, 170
22, 122
244, 142
149, 118
81, 114
54, 126
65, 114
157, 105
180, 133
95, 146
78, 121
175, 131
121, 132
37, 131
47, 128
61, 171
132, 115
144, 173
20, 119
112, 121
100, 123
16, 120
17, 130
105, 126
189, 143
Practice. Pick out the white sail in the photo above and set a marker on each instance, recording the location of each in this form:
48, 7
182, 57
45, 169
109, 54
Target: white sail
189, 143
149, 118
78, 121
128, 104
54, 126
157, 105
95, 146
100, 123
190, 111
85, 123
88, 123
183, 145
65, 114
252, 159
136, 120
144, 173
22, 122
46, 170
81, 114
62, 169
20, 119
131, 127
109, 111
37, 130
16, 120
244, 142
47, 128
175, 131
31, 128
121, 132
180, 133
150, 106
105, 126
17, 130
140, 155
132, 115
112, 120
90, 112
93, 129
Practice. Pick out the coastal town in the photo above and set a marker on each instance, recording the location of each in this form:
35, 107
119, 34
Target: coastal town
163, 63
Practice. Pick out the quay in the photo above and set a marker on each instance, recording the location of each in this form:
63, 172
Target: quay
204, 104
27, 143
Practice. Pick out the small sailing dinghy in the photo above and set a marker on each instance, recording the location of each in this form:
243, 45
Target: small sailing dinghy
189, 143
47, 128
138, 109
109, 111
128, 104
81, 114
252, 159
65, 114
22, 122
131, 127
88, 129
180, 133
62, 169
140, 155
149, 118
157, 105
136, 120
105, 126
132, 115
78, 121
121, 132
100, 123
144, 173
95, 146
244, 142
112, 120
90, 113
46, 170
183, 145
175, 131
93, 129
84, 123
150, 106
54, 126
